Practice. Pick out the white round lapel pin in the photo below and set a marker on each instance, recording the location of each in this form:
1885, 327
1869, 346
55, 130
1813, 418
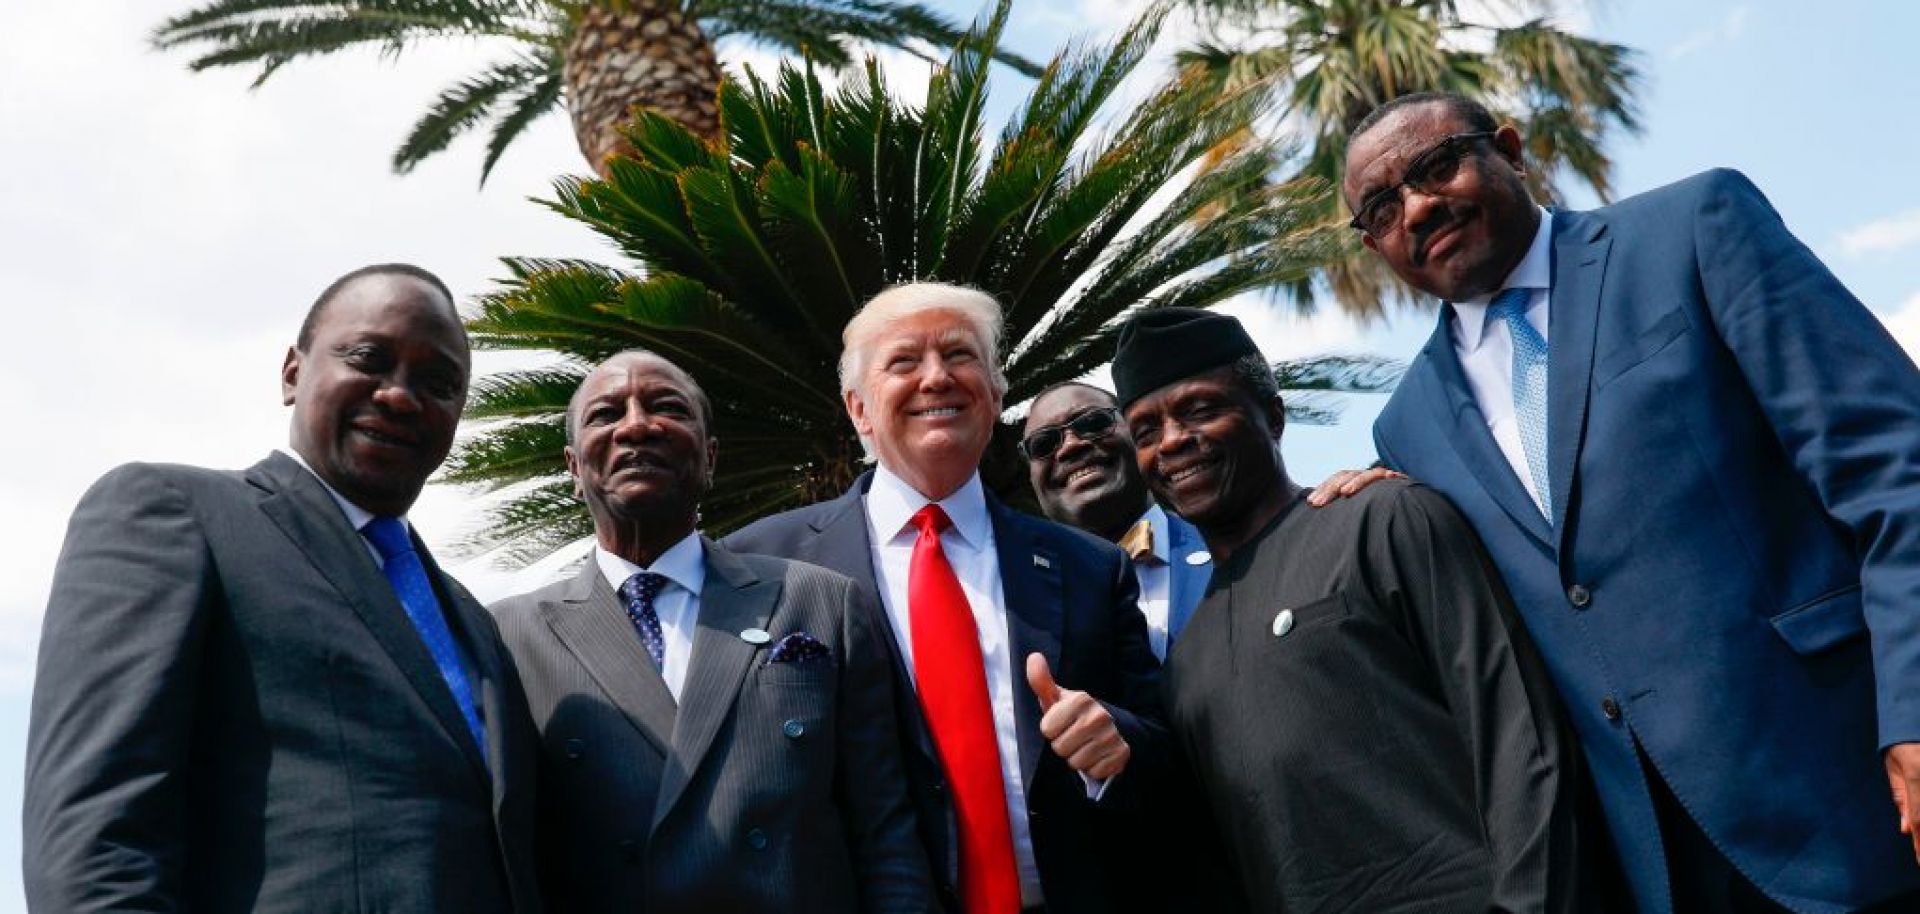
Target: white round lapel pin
1200, 557
1283, 623
755, 636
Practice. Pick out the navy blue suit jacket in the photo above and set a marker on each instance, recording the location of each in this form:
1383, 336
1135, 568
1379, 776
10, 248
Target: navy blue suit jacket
1731, 578
1070, 596
1186, 580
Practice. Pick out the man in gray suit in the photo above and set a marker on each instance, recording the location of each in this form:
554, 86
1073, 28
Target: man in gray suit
256, 690
718, 729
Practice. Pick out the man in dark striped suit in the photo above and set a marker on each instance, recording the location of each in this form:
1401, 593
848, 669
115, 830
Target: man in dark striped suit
717, 730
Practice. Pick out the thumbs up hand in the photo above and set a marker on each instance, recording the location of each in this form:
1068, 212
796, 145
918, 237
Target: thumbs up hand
1079, 728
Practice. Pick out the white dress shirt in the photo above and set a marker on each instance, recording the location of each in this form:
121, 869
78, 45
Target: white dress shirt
357, 517
678, 603
1155, 577
1486, 348
970, 549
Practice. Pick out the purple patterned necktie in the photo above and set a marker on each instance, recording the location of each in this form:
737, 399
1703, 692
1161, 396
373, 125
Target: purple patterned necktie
408, 577
639, 591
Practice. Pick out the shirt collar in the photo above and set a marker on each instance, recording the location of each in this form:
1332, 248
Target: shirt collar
356, 515
684, 563
891, 503
1157, 518
1535, 271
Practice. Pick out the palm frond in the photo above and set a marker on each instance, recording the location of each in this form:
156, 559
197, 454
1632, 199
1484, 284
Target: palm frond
463, 105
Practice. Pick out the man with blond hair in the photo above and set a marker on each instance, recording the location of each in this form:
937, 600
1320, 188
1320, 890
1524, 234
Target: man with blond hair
1024, 782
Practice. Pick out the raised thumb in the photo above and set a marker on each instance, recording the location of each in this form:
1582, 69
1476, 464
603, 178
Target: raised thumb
1040, 678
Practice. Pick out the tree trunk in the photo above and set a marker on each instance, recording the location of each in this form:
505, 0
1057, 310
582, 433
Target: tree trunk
639, 53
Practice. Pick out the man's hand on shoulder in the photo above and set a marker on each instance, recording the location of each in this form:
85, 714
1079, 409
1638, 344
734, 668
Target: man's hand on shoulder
1348, 483
1903, 777
1080, 728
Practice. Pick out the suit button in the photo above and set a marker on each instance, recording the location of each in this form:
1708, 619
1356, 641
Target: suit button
793, 729
575, 749
757, 839
630, 850
1579, 596
937, 787
1610, 708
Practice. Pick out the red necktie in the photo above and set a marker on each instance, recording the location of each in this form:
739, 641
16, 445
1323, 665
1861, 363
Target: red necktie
952, 681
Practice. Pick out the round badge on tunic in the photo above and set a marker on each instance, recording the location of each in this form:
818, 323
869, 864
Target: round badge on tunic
755, 636
1283, 623
1199, 558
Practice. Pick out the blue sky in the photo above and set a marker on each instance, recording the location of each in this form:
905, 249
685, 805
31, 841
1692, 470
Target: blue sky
163, 231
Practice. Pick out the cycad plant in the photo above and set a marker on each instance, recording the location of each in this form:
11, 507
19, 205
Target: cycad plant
750, 253
597, 58
1329, 62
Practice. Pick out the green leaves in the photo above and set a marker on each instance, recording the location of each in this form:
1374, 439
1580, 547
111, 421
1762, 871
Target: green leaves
270, 34
748, 256
1329, 62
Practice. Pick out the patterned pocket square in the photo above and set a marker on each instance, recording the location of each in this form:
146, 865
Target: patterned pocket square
799, 648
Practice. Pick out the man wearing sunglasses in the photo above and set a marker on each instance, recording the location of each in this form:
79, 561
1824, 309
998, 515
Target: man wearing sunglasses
1081, 466
1694, 456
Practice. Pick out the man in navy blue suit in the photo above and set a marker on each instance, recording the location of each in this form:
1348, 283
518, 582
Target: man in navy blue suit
1025, 784
1080, 462
1693, 456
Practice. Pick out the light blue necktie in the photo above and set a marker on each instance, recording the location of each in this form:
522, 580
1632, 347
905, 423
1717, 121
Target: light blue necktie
1529, 386
408, 576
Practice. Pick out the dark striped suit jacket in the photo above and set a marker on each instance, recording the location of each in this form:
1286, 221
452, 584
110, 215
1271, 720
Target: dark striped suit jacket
771, 787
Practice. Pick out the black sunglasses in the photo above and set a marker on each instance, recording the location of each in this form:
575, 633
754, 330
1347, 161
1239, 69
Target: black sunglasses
1091, 425
1430, 171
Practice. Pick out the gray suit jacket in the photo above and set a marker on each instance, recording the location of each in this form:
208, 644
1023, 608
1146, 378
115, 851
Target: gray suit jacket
233, 713
773, 787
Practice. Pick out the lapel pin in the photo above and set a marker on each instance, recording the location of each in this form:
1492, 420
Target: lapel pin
1283, 623
755, 636
1200, 557
1041, 561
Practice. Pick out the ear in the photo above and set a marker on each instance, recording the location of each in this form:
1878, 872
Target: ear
1276, 412
713, 457
1511, 147
857, 411
573, 470
1369, 242
289, 376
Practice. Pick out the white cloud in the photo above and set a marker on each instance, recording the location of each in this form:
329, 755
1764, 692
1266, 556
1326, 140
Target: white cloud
1881, 236
1729, 28
1904, 324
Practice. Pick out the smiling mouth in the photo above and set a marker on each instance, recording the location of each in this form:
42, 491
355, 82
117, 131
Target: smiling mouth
383, 439
936, 412
1086, 472
1185, 473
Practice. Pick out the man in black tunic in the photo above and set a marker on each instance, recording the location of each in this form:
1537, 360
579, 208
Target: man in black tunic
1359, 703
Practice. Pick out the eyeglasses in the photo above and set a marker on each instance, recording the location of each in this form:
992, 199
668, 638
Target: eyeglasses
1430, 171
1091, 425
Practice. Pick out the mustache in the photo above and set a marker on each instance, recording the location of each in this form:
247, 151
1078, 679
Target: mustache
1443, 218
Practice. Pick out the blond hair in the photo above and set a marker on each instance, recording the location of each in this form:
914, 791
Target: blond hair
977, 308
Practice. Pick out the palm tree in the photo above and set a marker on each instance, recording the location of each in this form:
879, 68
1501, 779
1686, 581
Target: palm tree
1330, 62
750, 253
598, 58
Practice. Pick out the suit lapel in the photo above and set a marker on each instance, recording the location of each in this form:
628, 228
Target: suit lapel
1465, 427
301, 507
732, 601
1579, 264
842, 542
466, 616
1030, 588
1188, 580
591, 623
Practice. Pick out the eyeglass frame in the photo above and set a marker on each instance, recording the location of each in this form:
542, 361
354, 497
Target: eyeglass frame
1420, 163
1062, 428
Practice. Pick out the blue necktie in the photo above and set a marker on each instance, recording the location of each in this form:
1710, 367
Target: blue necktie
639, 591
408, 576
1529, 387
